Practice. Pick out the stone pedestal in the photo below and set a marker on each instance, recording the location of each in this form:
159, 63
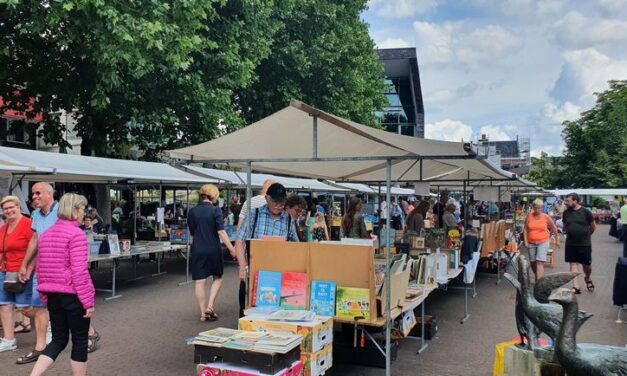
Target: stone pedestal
522, 362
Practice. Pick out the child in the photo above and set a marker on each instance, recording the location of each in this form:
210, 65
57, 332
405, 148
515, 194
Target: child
319, 228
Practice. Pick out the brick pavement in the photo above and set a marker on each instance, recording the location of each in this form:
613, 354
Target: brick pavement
143, 332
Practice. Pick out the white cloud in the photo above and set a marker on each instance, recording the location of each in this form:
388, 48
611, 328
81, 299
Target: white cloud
393, 43
552, 150
612, 6
467, 90
448, 130
484, 44
585, 72
460, 42
495, 133
531, 10
575, 30
402, 8
560, 113
434, 42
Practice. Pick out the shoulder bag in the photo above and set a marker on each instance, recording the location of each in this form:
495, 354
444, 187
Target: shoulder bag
12, 282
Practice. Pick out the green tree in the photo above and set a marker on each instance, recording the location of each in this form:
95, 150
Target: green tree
542, 173
596, 143
321, 55
154, 74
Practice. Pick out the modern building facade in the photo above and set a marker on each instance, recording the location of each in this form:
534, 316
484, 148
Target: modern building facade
405, 112
511, 155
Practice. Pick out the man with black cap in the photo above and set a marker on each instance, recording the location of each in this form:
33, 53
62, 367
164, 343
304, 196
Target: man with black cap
269, 220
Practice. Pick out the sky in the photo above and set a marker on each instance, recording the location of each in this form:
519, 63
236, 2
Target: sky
506, 68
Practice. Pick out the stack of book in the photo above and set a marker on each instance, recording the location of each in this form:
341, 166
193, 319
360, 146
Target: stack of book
268, 342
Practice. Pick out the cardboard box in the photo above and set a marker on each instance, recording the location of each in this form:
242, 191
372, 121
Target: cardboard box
315, 364
212, 369
316, 334
267, 363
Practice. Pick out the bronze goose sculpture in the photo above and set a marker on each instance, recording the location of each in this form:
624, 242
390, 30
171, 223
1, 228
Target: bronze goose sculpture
585, 359
547, 317
544, 286
525, 327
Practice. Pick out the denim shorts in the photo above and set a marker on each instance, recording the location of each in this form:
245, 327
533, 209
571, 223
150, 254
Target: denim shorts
538, 251
21, 300
36, 299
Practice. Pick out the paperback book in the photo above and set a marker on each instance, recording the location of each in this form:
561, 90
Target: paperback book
322, 300
294, 290
268, 288
352, 302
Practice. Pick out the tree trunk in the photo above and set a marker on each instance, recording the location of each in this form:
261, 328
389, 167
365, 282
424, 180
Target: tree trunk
93, 144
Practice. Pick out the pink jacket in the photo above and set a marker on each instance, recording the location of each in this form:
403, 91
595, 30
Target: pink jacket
62, 263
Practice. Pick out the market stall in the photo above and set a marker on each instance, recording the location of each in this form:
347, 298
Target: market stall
370, 156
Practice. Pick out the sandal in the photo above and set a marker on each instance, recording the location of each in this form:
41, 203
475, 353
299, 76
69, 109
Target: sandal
575, 290
32, 357
95, 336
211, 315
21, 328
91, 344
589, 285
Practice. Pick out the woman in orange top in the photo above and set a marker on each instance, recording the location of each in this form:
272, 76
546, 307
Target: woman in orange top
537, 237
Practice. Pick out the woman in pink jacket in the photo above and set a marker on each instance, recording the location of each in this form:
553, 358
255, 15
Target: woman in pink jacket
65, 285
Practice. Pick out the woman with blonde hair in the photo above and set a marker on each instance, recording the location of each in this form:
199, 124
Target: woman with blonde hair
319, 229
65, 286
537, 238
15, 235
206, 227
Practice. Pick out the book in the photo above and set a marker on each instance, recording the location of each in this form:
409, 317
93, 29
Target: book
219, 335
268, 288
261, 311
254, 296
292, 315
322, 300
293, 290
352, 302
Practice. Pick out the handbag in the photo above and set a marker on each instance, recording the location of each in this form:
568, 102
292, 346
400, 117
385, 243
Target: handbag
12, 283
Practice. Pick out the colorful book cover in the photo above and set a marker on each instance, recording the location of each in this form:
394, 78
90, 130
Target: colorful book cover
268, 288
352, 302
323, 298
294, 290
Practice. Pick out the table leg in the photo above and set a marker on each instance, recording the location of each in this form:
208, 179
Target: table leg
159, 257
187, 279
113, 295
466, 314
135, 261
423, 344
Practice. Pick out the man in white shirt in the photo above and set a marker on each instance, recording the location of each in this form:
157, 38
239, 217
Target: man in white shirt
255, 202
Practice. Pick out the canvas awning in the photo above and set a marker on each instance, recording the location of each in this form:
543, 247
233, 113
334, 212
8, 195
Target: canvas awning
238, 179
47, 166
283, 143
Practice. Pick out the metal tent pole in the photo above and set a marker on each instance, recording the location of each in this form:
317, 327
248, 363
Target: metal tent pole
188, 246
388, 319
249, 195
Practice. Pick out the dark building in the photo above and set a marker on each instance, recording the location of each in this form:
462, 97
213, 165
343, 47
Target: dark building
405, 113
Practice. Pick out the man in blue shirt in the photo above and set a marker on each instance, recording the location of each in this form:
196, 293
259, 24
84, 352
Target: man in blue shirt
269, 220
44, 216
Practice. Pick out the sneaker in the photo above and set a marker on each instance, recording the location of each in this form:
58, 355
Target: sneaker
8, 345
48, 335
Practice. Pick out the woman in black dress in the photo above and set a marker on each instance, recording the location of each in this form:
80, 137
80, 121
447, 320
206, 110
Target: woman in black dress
207, 230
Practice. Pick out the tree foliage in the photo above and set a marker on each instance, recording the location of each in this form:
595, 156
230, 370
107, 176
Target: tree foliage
321, 55
157, 74
596, 143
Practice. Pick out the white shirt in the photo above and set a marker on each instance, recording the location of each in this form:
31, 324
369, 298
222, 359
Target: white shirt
255, 203
384, 212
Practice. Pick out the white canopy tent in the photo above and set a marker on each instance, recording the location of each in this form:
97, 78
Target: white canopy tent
238, 179
47, 166
351, 152
604, 192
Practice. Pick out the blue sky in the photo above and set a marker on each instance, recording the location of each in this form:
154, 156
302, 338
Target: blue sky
506, 67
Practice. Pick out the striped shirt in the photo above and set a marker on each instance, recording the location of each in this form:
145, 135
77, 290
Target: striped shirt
267, 226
